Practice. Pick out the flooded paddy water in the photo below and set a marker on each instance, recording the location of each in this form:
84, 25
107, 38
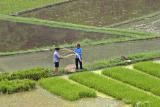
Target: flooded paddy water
149, 24
91, 54
97, 12
19, 36
42, 98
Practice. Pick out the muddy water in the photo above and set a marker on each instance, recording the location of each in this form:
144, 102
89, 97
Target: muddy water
41, 98
19, 36
97, 12
91, 54
150, 24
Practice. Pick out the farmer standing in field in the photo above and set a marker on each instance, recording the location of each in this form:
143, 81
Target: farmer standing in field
78, 60
57, 58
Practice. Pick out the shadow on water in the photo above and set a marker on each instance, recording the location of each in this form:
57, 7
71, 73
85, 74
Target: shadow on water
91, 54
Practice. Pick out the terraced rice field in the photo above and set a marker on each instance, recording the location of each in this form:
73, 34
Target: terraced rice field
101, 52
14, 6
40, 24
97, 12
131, 85
149, 24
20, 36
128, 85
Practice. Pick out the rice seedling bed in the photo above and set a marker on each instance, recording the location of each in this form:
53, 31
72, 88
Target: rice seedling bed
66, 89
149, 67
34, 74
116, 89
9, 87
134, 77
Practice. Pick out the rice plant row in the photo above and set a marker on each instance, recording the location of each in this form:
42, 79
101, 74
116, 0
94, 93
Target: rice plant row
34, 74
136, 78
66, 89
14, 86
117, 89
149, 67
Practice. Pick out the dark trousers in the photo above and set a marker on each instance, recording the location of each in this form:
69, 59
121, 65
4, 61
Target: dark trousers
78, 62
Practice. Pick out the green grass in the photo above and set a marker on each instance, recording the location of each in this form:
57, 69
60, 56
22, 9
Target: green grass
149, 67
101, 64
12, 6
134, 77
116, 89
66, 89
9, 87
34, 74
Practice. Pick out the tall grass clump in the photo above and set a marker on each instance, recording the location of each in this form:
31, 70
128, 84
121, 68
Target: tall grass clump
116, 89
135, 78
66, 89
9, 87
34, 74
149, 67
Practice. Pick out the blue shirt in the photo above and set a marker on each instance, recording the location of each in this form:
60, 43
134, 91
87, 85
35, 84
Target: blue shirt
56, 56
79, 51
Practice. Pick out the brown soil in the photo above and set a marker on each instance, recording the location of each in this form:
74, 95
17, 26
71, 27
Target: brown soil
97, 12
18, 36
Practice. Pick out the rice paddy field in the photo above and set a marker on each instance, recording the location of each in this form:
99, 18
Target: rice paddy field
120, 41
96, 12
13, 6
149, 24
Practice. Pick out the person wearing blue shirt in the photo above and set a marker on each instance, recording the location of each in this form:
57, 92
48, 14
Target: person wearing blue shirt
78, 59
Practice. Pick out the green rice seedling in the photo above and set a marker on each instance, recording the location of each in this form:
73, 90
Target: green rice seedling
149, 67
101, 64
116, 89
4, 76
144, 56
66, 89
14, 86
34, 74
134, 77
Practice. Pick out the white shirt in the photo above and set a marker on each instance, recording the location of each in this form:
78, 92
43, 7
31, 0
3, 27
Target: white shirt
56, 56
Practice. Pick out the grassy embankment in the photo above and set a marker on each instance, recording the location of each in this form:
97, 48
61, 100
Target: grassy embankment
14, 6
136, 78
38, 73
117, 89
66, 89
149, 67
119, 61
126, 34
